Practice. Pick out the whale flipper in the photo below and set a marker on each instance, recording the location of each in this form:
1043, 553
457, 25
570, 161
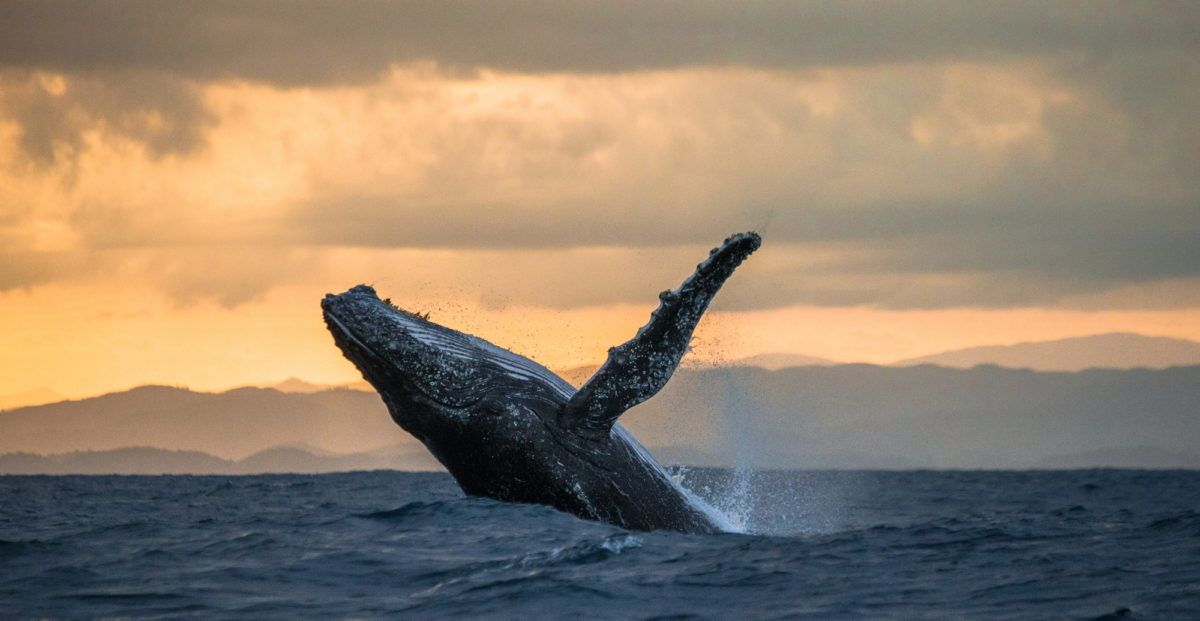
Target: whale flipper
640, 367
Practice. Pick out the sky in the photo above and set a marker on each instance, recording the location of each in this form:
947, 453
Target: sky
180, 183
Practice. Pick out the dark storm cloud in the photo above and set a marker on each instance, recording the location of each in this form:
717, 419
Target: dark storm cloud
298, 42
160, 112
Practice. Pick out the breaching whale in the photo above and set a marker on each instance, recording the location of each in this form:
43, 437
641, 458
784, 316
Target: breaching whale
505, 427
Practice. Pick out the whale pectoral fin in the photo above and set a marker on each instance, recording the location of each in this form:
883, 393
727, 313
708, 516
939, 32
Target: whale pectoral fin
640, 367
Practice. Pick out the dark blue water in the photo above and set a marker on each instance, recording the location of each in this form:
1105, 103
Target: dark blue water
903, 545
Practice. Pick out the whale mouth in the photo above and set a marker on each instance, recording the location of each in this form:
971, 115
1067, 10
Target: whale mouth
340, 330
402, 353
373, 366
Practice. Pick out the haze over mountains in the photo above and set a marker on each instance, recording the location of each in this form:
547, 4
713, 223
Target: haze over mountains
1030, 405
1100, 351
146, 460
776, 361
844, 416
1110, 351
228, 425
863, 416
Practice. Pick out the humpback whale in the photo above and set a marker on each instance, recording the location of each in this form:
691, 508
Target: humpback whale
507, 428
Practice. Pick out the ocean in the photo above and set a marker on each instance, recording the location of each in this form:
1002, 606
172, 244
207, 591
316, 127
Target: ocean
1093, 544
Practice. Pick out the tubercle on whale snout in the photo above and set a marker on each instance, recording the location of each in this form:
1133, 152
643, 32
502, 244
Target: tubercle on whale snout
536, 425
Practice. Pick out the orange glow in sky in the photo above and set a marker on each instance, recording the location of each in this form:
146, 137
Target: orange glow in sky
177, 222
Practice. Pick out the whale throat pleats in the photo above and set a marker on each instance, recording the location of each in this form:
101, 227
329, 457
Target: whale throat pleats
640, 367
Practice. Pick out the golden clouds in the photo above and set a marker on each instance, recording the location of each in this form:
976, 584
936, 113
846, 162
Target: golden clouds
966, 168
939, 179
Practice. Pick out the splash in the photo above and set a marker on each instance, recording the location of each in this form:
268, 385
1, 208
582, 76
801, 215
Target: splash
739, 501
749, 499
725, 520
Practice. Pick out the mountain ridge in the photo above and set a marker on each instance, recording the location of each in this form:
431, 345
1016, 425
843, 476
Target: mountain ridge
144, 460
1178, 352
232, 424
801, 417
1113, 350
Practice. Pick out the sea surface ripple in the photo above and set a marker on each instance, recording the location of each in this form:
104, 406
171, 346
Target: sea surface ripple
1096, 544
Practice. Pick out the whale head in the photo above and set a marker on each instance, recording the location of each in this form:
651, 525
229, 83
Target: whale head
431, 376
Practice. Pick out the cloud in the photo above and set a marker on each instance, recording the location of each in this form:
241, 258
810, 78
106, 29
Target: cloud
162, 113
24, 269
301, 42
229, 276
929, 186
911, 155
1036, 181
134, 66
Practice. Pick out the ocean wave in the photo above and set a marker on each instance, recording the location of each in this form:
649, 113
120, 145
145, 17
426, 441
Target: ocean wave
581, 553
916, 545
527, 567
1187, 521
464, 508
13, 547
239, 544
406, 511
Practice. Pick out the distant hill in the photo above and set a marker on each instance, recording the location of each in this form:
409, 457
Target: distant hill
870, 416
145, 460
295, 384
37, 396
775, 361
230, 425
772, 361
844, 416
1118, 350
